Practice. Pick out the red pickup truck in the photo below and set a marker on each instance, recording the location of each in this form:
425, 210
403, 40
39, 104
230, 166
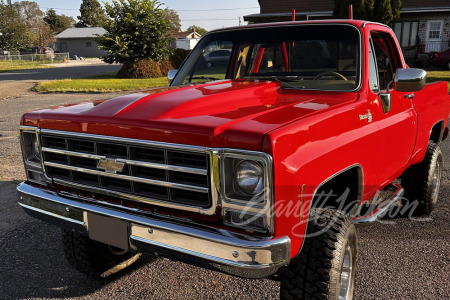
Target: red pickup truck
260, 166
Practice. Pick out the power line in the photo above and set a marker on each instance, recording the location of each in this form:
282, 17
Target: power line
239, 8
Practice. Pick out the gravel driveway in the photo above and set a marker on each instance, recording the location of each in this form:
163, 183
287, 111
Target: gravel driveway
406, 260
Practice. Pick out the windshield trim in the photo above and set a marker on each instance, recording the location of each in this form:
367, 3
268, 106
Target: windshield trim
360, 62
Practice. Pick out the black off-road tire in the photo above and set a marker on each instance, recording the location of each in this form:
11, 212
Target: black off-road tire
316, 272
91, 257
420, 182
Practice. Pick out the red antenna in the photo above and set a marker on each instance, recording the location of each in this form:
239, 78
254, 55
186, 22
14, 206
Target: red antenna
350, 11
293, 14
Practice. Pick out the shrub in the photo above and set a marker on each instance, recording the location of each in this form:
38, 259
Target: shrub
144, 68
178, 56
165, 66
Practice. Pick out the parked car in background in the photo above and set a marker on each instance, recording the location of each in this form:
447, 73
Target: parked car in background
218, 57
440, 59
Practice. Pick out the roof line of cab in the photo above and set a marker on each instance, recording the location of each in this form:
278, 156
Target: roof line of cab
357, 23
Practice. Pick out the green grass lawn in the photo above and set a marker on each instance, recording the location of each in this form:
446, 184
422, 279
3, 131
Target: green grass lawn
433, 76
6, 65
103, 83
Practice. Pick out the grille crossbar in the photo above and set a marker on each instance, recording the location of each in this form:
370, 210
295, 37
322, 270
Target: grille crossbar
164, 174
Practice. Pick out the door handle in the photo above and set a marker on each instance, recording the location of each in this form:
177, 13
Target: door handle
409, 96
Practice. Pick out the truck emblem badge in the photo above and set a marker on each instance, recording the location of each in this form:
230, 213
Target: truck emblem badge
110, 165
367, 116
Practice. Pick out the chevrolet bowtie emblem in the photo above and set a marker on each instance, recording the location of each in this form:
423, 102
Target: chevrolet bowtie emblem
110, 165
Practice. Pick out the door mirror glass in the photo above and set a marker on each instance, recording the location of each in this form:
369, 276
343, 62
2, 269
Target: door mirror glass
171, 75
410, 80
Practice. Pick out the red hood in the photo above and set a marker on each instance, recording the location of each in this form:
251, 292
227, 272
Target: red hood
233, 114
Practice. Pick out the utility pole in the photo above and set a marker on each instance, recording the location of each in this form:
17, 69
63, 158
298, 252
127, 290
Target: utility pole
239, 21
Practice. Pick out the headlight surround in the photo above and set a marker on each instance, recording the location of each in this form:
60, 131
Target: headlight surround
246, 183
30, 147
31, 154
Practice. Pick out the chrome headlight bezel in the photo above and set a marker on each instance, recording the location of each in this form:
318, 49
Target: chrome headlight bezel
258, 205
31, 154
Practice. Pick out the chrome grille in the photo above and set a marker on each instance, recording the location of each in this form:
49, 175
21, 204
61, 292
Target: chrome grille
151, 171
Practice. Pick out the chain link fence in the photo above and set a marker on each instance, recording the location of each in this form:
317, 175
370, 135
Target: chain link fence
35, 58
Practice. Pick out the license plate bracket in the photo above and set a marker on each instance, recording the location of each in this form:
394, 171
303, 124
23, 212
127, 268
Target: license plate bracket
108, 230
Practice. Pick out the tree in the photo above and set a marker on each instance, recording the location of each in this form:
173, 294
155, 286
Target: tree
92, 14
29, 12
14, 32
174, 20
135, 30
58, 23
382, 11
197, 29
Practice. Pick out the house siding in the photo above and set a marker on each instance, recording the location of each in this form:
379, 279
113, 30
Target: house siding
274, 6
79, 47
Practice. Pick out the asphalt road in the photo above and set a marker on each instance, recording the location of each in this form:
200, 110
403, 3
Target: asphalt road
406, 260
18, 83
59, 73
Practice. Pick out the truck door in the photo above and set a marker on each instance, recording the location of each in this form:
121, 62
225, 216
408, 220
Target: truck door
398, 122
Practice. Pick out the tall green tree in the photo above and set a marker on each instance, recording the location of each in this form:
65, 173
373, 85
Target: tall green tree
136, 30
58, 23
382, 11
174, 20
197, 29
14, 32
92, 14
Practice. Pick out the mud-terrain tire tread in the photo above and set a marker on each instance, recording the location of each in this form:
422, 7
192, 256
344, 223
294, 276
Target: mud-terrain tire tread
312, 275
87, 256
417, 178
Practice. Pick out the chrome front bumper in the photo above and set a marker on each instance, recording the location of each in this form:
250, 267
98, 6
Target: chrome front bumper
235, 254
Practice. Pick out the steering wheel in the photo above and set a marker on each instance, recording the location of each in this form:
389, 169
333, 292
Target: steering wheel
330, 73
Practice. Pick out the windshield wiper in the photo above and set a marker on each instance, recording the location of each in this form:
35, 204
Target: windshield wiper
283, 80
275, 78
203, 77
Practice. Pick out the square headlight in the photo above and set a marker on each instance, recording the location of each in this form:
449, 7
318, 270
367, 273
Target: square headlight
30, 147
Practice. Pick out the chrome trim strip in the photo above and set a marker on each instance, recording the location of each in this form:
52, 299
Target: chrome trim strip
51, 214
219, 246
130, 162
72, 153
164, 167
180, 186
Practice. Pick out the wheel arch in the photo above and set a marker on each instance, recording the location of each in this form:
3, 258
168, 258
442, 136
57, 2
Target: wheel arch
353, 175
437, 132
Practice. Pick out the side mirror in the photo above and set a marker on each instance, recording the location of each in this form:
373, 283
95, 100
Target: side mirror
410, 80
171, 75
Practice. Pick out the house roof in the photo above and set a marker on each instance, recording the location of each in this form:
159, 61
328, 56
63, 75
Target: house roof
185, 35
77, 33
282, 10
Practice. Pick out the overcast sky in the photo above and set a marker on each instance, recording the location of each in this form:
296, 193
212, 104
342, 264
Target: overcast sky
207, 14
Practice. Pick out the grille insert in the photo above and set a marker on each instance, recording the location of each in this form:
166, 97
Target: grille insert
152, 173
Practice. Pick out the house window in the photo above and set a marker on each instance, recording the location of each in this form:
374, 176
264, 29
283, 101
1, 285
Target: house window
434, 30
406, 33
88, 44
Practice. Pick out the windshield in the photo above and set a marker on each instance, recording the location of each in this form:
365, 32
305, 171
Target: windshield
319, 57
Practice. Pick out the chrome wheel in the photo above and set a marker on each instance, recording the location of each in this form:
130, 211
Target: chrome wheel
346, 278
436, 182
